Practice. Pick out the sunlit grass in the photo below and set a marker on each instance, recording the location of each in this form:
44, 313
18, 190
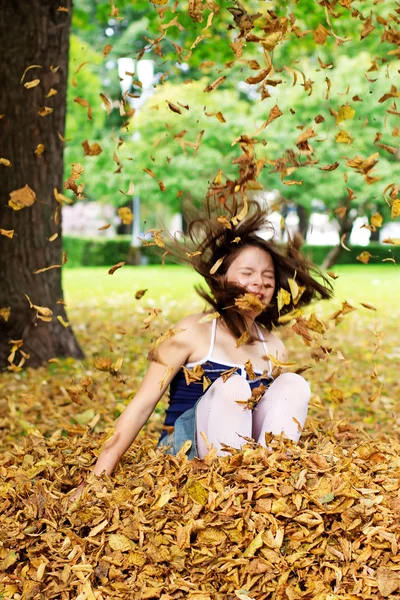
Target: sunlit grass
378, 285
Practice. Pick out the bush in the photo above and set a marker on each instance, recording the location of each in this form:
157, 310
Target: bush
107, 252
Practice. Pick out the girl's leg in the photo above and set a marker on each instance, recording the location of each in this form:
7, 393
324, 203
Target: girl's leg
286, 398
221, 418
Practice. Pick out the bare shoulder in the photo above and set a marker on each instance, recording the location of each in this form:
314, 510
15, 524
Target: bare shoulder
276, 347
189, 328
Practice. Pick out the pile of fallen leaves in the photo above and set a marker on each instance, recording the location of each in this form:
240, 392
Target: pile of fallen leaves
318, 520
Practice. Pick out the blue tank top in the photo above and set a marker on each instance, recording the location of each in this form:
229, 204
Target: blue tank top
183, 396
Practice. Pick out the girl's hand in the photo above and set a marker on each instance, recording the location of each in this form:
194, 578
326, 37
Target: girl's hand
76, 493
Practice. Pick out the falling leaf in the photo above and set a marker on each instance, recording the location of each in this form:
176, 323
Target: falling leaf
284, 297
106, 50
91, 150
243, 339
115, 267
7, 233
107, 103
364, 257
278, 363
125, 215
173, 107
369, 306
216, 265
5, 313
249, 302
131, 190
47, 269
376, 220
62, 321
343, 237
345, 113
395, 212
342, 137
213, 86
22, 198
28, 68
209, 317
140, 293
45, 110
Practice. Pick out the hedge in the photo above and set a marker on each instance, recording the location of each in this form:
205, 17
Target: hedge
107, 252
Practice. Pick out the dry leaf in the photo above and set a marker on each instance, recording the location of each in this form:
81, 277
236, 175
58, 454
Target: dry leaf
22, 198
115, 267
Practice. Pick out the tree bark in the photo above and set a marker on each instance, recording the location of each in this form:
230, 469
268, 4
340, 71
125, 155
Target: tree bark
33, 33
304, 219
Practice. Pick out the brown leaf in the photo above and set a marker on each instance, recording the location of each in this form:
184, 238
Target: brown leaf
115, 267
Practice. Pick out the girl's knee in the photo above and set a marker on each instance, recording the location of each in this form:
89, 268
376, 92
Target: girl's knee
295, 382
234, 385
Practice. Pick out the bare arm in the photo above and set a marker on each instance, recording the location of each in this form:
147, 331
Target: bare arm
174, 353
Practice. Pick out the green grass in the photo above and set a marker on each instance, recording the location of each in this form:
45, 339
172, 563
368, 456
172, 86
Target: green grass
373, 284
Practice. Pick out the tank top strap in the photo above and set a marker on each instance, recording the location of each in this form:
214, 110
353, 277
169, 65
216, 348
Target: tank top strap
264, 343
213, 334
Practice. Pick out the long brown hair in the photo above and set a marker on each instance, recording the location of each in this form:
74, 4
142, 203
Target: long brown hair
217, 232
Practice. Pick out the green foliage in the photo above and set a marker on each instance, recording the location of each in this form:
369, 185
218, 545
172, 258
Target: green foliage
151, 140
108, 252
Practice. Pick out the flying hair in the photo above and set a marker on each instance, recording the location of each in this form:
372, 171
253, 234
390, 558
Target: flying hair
217, 232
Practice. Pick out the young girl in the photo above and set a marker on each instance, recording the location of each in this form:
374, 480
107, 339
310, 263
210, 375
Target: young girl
215, 361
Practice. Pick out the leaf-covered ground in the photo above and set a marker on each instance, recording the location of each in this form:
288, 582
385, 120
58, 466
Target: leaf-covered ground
321, 522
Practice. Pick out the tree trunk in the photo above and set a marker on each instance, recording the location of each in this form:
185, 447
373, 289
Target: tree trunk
345, 227
32, 33
304, 220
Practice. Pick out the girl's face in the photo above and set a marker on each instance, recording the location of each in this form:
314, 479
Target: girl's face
253, 268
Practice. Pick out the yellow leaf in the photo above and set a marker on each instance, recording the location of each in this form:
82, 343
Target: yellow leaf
254, 546
5, 313
336, 395
343, 137
278, 363
126, 215
216, 265
395, 209
63, 323
32, 84
243, 212
120, 542
284, 298
45, 110
249, 302
198, 492
5, 162
209, 317
345, 112
22, 198
7, 233
364, 257
376, 220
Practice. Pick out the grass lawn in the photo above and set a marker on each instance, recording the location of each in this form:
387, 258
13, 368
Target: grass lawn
356, 283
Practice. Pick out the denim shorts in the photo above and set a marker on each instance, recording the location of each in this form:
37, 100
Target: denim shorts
185, 429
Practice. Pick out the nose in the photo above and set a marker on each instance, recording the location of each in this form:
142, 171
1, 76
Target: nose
256, 282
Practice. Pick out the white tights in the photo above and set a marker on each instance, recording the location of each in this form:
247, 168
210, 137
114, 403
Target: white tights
222, 419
